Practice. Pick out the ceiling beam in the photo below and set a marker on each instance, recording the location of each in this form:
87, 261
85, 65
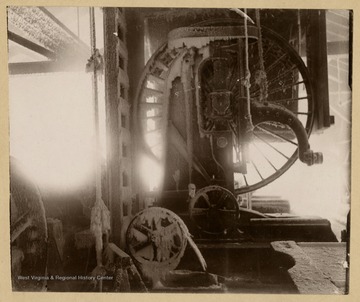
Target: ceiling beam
31, 45
43, 28
44, 67
63, 27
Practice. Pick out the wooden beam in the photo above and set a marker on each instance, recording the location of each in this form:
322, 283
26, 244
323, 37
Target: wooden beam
317, 64
45, 29
64, 27
31, 45
58, 22
43, 67
113, 198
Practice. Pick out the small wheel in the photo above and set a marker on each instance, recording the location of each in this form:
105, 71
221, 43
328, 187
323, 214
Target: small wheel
156, 241
214, 210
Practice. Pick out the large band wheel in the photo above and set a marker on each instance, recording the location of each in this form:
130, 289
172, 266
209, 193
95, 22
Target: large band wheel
28, 231
275, 147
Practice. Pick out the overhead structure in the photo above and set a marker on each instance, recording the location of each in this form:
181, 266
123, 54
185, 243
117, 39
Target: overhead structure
36, 29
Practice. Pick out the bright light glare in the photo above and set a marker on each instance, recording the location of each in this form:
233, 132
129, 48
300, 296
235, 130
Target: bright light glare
153, 138
150, 125
52, 129
150, 113
151, 173
151, 99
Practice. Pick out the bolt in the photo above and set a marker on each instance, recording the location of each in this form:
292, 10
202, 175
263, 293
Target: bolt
318, 158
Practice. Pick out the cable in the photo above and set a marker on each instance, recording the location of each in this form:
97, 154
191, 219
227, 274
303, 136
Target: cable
262, 78
250, 126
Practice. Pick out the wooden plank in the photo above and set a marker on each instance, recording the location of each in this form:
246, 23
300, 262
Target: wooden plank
127, 276
311, 221
231, 245
119, 252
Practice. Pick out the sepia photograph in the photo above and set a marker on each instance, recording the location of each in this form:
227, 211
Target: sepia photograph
180, 150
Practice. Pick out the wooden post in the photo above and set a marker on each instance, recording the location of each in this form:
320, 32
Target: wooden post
317, 63
112, 125
136, 60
